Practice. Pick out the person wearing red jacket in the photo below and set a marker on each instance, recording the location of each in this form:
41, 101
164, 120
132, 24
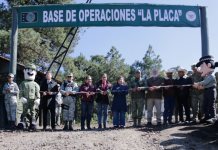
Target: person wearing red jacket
88, 91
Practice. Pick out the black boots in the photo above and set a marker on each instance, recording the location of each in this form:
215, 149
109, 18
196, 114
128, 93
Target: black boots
99, 126
70, 125
11, 125
139, 122
88, 125
105, 126
134, 123
65, 126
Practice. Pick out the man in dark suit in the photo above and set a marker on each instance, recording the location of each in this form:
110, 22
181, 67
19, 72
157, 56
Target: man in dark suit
48, 93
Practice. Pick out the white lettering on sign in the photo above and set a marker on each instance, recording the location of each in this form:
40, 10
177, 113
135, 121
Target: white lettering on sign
167, 15
116, 15
81, 15
53, 16
107, 15
145, 16
70, 15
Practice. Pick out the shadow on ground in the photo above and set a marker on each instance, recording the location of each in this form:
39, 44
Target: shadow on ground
191, 137
196, 137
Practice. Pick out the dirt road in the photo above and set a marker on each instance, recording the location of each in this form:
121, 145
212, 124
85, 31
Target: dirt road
195, 137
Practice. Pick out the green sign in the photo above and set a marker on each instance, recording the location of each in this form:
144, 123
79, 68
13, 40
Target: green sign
108, 15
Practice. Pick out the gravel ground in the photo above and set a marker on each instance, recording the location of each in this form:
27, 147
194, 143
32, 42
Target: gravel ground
195, 137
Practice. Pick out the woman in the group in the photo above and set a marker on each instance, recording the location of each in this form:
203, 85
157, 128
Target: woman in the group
88, 91
119, 106
103, 87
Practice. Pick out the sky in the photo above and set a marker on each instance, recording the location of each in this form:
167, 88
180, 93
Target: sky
177, 46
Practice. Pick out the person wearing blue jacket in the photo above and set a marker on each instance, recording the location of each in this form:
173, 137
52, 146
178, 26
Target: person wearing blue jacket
119, 106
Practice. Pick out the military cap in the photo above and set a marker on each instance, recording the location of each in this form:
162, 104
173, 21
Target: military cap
138, 71
11, 75
69, 75
30, 66
193, 66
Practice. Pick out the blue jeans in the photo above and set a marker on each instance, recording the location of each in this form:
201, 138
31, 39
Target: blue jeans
168, 108
86, 113
102, 112
118, 118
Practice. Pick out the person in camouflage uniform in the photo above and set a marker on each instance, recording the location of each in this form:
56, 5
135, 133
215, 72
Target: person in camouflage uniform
30, 96
196, 96
11, 91
137, 97
216, 75
68, 90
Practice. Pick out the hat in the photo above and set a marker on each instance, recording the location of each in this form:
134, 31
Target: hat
11, 75
206, 59
182, 69
69, 75
193, 66
138, 71
189, 73
169, 71
30, 66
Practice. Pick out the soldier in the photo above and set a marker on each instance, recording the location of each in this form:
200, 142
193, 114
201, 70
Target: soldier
196, 96
216, 75
30, 96
138, 98
154, 96
11, 91
68, 90
48, 91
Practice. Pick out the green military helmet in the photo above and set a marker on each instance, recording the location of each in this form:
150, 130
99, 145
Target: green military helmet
216, 74
30, 66
193, 66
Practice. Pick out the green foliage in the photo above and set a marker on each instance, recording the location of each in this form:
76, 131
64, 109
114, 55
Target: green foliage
149, 61
32, 49
5, 17
34, 45
4, 41
113, 64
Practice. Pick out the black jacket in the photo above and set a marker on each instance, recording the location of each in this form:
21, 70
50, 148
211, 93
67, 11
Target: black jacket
183, 91
104, 99
44, 99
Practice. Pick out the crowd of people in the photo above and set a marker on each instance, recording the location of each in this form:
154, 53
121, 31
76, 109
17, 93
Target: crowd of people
191, 95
